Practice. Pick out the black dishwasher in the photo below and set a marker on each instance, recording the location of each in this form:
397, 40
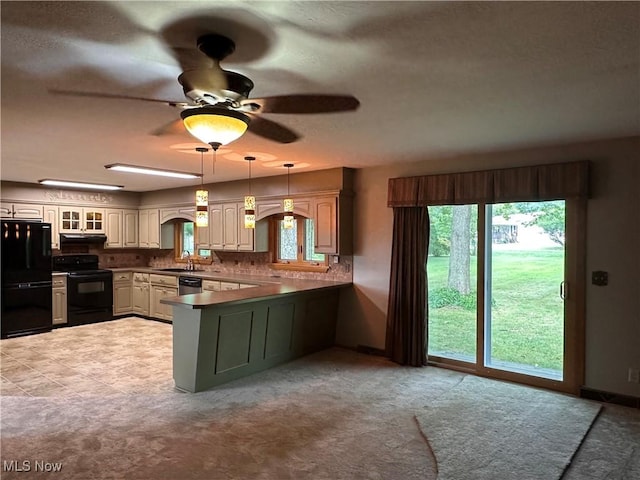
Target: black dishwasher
187, 285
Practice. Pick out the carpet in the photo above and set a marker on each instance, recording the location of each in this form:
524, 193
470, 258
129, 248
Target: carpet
486, 429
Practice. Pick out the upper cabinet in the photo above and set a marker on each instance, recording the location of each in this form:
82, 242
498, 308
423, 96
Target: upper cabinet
21, 211
325, 223
51, 216
122, 228
149, 228
333, 224
82, 220
227, 232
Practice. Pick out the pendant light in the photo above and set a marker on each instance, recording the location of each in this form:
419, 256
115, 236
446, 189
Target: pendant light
202, 195
289, 220
249, 202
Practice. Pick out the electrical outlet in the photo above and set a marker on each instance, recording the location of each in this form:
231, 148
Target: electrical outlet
634, 375
600, 278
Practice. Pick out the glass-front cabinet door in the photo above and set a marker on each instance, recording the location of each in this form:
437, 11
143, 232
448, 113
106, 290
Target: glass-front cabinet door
82, 220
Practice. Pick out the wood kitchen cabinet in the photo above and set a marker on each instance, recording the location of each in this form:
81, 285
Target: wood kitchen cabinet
333, 224
59, 299
122, 293
51, 216
227, 232
149, 228
20, 211
211, 285
81, 220
161, 286
140, 293
122, 228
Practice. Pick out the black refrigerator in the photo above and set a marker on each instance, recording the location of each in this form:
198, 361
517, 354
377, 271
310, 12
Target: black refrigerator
26, 278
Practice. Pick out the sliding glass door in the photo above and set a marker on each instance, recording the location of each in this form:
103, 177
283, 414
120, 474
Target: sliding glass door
524, 275
451, 279
496, 288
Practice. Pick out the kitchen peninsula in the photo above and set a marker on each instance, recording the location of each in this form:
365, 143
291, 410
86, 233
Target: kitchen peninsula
222, 336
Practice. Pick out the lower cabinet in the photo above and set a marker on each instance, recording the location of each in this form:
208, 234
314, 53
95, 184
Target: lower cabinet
161, 286
122, 293
160, 310
140, 293
59, 300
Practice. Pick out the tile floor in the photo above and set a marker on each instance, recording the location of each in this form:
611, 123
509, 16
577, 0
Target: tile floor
130, 355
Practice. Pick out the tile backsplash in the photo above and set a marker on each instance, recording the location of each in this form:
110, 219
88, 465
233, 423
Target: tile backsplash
244, 263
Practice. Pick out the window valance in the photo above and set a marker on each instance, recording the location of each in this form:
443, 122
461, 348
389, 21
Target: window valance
520, 184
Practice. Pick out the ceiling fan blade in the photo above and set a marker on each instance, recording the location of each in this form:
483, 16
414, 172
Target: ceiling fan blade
202, 81
303, 103
174, 127
72, 93
272, 130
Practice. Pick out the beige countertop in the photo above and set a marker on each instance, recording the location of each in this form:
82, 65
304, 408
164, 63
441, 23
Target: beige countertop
266, 287
285, 286
205, 274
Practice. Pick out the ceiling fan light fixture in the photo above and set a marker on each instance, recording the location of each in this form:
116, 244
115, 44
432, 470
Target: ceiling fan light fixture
71, 184
121, 167
215, 125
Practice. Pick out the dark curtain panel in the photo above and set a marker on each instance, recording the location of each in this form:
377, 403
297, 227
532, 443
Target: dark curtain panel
406, 318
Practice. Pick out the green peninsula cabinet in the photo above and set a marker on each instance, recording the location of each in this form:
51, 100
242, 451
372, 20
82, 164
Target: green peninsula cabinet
225, 340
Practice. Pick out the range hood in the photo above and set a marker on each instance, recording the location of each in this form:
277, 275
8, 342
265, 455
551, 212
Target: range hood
82, 238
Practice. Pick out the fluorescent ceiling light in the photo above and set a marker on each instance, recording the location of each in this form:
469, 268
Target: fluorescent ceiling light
65, 183
121, 167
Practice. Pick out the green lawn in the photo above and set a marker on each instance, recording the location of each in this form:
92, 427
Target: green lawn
527, 318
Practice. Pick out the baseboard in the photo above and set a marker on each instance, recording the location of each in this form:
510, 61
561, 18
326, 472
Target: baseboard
608, 397
371, 350
138, 315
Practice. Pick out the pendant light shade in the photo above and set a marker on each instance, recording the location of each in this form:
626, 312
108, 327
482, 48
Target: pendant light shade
215, 126
202, 196
249, 202
289, 219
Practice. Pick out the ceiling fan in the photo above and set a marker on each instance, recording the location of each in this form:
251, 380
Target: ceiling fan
219, 99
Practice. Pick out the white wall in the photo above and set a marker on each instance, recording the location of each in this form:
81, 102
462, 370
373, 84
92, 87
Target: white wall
613, 245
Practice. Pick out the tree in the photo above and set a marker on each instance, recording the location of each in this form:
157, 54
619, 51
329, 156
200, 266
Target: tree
551, 218
440, 231
460, 258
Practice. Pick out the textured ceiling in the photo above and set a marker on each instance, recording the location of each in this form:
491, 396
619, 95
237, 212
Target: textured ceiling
434, 79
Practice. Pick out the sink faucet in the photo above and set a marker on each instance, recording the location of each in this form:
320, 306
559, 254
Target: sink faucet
189, 259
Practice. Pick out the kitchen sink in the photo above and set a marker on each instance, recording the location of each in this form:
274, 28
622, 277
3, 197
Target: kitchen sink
173, 270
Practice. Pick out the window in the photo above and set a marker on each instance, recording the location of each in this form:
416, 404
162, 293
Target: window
185, 241
293, 247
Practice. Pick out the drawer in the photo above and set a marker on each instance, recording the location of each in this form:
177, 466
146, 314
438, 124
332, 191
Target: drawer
165, 280
141, 277
59, 282
210, 286
122, 277
229, 286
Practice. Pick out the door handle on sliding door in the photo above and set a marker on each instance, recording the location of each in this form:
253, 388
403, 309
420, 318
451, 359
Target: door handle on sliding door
564, 290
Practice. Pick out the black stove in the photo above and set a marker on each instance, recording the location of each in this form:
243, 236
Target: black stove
89, 288
77, 262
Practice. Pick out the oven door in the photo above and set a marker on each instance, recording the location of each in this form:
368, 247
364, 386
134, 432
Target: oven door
89, 297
